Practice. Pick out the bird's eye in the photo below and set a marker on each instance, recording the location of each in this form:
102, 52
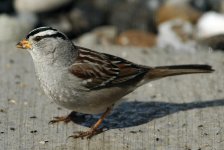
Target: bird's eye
37, 38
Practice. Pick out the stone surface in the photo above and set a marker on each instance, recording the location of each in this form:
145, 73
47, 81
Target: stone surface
13, 28
176, 113
38, 5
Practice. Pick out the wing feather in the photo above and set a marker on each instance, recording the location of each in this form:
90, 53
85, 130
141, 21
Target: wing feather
99, 69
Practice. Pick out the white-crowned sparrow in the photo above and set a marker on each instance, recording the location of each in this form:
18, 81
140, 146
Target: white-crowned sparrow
86, 81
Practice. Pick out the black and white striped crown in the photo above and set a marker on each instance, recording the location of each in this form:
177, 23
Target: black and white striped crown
46, 32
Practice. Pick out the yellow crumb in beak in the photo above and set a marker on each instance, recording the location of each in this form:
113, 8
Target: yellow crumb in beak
24, 44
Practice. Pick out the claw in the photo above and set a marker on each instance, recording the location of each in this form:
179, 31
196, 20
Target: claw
94, 129
60, 119
88, 134
65, 119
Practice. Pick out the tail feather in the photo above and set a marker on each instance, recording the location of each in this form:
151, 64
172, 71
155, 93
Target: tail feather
165, 71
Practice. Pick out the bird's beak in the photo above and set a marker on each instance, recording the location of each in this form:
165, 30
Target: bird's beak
24, 44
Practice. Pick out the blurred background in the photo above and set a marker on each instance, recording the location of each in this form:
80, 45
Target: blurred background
178, 113
177, 24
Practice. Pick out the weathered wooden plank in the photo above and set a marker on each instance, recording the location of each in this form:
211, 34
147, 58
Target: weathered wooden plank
183, 112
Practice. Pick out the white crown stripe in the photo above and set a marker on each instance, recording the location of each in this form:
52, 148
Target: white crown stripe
47, 32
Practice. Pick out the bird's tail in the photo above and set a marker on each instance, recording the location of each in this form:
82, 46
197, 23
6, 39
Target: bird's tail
165, 71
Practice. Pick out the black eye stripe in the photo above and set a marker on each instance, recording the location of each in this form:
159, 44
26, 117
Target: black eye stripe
57, 35
37, 38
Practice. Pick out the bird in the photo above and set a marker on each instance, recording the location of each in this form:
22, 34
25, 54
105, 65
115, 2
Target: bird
86, 81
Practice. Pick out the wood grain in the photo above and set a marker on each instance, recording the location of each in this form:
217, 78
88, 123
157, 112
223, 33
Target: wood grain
176, 113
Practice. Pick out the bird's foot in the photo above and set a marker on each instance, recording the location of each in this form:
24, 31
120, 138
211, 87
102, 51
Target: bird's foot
65, 119
88, 134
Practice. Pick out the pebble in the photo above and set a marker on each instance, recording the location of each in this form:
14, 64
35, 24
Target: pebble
136, 38
43, 142
12, 129
176, 34
103, 35
2, 110
38, 6
33, 117
170, 11
210, 24
12, 101
33, 131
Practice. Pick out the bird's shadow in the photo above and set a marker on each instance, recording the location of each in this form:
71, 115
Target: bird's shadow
129, 114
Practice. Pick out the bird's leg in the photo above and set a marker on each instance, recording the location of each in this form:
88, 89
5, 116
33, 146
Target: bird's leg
65, 119
94, 130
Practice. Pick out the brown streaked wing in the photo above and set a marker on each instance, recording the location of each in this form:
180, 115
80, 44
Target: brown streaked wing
99, 69
128, 70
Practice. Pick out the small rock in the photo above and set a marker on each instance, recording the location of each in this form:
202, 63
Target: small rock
33, 131
210, 24
13, 28
25, 103
172, 11
12, 101
2, 110
12, 129
176, 34
38, 6
11, 61
136, 38
104, 35
43, 142
33, 117
200, 126
134, 132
